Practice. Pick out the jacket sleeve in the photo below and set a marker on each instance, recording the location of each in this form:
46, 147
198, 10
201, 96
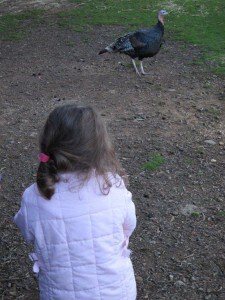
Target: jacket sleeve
21, 221
130, 218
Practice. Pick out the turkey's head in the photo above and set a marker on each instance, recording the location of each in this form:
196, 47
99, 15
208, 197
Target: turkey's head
161, 15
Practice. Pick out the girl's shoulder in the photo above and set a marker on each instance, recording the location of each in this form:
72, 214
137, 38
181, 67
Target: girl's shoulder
31, 192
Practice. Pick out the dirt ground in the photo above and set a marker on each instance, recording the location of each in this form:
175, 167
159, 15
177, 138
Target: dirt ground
178, 110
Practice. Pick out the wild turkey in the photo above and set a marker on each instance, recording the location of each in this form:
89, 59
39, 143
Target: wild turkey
141, 43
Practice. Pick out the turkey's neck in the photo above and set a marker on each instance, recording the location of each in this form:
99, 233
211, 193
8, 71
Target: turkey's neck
161, 19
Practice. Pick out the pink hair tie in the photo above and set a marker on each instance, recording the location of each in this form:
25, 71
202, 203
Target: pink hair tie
43, 158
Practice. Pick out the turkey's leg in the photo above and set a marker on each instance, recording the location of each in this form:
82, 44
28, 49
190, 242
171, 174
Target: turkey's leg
142, 68
135, 67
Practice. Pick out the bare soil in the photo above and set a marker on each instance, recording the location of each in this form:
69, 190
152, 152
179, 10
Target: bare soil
178, 110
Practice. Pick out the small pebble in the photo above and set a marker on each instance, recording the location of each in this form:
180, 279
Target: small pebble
210, 142
139, 279
171, 277
179, 283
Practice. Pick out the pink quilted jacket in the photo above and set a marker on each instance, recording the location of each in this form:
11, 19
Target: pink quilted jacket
80, 238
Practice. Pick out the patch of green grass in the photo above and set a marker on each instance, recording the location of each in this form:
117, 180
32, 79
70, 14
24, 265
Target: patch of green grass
70, 43
221, 213
219, 69
197, 22
201, 23
155, 162
195, 214
188, 161
130, 14
12, 26
213, 111
198, 61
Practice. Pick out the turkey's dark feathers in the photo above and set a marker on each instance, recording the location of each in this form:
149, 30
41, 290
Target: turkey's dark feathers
136, 43
141, 43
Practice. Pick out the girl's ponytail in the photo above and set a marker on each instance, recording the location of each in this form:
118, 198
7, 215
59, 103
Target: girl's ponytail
46, 176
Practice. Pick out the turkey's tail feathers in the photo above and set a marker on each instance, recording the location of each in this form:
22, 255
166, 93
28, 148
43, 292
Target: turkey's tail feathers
109, 49
102, 51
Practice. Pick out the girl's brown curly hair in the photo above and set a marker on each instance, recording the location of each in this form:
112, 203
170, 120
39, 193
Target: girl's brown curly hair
76, 140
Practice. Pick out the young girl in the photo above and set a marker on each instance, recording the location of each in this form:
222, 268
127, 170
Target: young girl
79, 214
